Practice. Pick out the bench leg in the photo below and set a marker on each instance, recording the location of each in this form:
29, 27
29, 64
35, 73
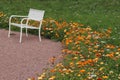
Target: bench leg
9, 30
20, 35
39, 36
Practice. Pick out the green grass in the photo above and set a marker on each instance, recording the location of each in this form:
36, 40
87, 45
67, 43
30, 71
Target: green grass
91, 12
95, 13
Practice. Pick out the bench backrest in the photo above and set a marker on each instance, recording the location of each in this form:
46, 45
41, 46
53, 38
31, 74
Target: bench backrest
36, 14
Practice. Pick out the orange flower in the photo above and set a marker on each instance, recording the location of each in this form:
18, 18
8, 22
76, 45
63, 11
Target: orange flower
110, 46
79, 63
52, 70
82, 71
88, 29
68, 41
98, 55
88, 37
118, 49
111, 55
80, 38
109, 30
77, 42
52, 60
81, 24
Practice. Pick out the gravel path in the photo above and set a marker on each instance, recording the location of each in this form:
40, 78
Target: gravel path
21, 61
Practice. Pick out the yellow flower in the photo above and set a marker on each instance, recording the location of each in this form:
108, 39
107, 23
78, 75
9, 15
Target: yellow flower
65, 30
75, 58
40, 78
105, 77
101, 68
117, 53
1, 14
71, 64
29, 79
79, 75
101, 62
52, 78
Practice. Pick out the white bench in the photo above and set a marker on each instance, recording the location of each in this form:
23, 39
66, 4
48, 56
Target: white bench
36, 15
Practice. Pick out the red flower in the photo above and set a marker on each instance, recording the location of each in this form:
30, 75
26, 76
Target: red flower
99, 79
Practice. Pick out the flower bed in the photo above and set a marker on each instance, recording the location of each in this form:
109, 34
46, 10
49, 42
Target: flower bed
86, 55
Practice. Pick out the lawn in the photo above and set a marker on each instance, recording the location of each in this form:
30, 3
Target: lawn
95, 13
89, 30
